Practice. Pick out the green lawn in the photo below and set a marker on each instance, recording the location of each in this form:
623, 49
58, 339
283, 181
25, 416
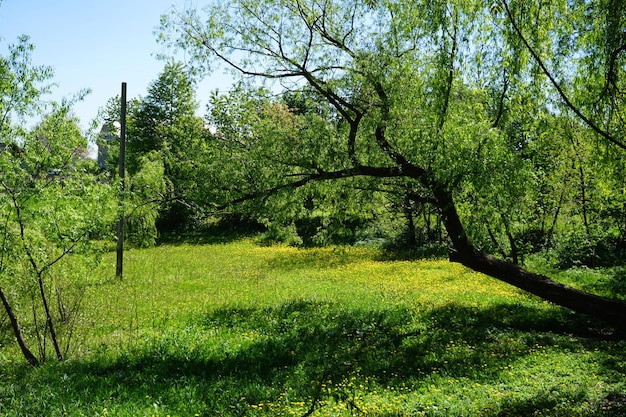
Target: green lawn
239, 329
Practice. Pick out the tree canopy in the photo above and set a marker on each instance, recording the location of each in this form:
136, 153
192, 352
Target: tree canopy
164, 129
461, 104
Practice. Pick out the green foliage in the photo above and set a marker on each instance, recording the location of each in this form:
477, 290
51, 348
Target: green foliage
164, 125
52, 211
21, 85
576, 250
259, 141
147, 189
170, 100
504, 106
165, 156
433, 120
53, 208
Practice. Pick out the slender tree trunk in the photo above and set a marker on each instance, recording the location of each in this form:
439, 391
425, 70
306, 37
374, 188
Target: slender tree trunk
410, 223
427, 221
514, 251
41, 340
49, 321
17, 331
556, 215
495, 242
583, 199
39, 273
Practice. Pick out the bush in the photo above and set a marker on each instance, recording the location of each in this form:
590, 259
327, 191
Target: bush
333, 230
316, 231
532, 241
575, 250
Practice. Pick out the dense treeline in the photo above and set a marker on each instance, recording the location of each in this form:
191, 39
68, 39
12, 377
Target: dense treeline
561, 192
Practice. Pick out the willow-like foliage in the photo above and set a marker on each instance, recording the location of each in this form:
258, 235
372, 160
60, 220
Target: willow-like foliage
466, 99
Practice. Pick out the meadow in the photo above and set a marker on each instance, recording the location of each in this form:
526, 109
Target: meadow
241, 329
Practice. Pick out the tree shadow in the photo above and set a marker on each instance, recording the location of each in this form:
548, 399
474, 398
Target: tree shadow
308, 350
214, 234
315, 258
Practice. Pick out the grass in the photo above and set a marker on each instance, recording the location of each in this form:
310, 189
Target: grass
238, 329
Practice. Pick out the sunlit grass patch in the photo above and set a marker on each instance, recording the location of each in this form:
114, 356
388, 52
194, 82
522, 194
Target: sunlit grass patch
241, 329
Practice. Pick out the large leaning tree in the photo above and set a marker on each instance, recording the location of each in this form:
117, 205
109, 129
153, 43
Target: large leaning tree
427, 93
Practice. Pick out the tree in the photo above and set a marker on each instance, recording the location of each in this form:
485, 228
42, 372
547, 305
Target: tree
51, 207
249, 149
165, 123
422, 90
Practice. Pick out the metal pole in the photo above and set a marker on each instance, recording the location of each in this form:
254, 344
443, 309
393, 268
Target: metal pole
120, 223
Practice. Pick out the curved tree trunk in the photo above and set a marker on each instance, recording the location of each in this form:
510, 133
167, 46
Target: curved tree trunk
17, 330
609, 310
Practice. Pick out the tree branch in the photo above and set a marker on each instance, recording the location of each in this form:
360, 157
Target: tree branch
320, 175
603, 133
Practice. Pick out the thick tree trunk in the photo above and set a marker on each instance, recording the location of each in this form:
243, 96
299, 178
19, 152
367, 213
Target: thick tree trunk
610, 310
17, 330
607, 309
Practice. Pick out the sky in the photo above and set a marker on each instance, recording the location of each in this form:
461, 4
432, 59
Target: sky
96, 45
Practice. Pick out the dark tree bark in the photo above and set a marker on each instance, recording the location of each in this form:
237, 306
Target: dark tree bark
17, 330
610, 310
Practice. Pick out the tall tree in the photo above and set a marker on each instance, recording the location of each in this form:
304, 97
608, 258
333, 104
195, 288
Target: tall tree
165, 122
420, 89
170, 100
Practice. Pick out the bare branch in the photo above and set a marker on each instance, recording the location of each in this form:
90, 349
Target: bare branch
505, 86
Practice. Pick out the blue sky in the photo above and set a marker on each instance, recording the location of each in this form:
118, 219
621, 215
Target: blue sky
94, 44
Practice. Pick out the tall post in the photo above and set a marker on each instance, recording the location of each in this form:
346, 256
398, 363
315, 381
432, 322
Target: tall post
120, 223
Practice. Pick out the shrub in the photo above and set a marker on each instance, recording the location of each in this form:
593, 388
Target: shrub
575, 250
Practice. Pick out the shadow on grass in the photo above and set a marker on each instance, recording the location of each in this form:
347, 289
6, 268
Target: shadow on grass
217, 233
312, 353
316, 258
